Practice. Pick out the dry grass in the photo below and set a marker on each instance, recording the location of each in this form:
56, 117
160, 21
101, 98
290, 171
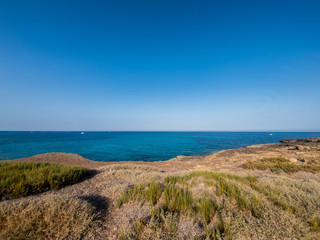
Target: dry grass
226, 206
302, 197
134, 173
22, 179
129, 174
193, 205
314, 223
150, 192
280, 164
46, 218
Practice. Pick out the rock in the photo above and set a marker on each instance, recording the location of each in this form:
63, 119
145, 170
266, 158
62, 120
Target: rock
293, 148
306, 140
292, 159
303, 148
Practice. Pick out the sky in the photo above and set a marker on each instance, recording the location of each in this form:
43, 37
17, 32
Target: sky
144, 65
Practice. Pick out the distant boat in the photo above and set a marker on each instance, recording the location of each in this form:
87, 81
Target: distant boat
270, 134
82, 132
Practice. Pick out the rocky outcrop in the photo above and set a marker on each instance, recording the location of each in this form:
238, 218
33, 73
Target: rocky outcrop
306, 140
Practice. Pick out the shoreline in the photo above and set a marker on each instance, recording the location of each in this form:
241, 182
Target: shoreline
229, 160
161, 146
108, 181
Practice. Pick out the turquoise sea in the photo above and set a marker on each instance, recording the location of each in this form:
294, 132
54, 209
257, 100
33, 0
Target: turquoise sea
133, 146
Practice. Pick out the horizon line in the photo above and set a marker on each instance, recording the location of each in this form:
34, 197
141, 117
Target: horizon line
257, 130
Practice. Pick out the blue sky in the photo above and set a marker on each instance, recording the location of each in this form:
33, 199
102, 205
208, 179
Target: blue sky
160, 65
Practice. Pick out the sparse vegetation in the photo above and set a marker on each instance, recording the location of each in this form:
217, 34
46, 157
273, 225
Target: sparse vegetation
171, 202
279, 164
193, 205
219, 203
22, 179
49, 217
225, 184
150, 192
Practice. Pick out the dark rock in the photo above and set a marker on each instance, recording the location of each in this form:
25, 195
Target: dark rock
306, 140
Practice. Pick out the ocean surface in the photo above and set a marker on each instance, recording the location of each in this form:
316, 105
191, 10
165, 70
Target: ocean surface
133, 146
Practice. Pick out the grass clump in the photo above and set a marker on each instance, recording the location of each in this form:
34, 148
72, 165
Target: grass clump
177, 199
207, 209
168, 202
49, 217
213, 233
227, 206
22, 179
209, 176
225, 184
150, 192
280, 164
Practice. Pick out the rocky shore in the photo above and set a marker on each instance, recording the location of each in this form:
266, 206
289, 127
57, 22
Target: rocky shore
230, 160
304, 150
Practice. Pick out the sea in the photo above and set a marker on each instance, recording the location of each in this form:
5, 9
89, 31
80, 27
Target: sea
133, 146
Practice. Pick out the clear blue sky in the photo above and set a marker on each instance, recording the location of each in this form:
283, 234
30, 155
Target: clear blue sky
160, 65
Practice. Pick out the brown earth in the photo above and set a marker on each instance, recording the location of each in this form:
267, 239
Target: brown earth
106, 183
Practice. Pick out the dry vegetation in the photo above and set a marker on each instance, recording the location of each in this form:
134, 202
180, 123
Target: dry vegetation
135, 201
22, 179
279, 164
225, 206
49, 217
152, 204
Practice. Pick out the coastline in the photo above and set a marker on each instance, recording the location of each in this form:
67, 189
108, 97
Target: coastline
133, 146
229, 160
108, 180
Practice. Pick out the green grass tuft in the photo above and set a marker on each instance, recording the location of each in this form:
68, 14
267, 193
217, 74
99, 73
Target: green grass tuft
207, 209
177, 199
22, 179
150, 192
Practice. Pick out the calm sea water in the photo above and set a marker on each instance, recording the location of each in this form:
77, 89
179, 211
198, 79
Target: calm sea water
133, 146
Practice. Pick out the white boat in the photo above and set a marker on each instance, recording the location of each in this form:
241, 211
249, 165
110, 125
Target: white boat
82, 132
